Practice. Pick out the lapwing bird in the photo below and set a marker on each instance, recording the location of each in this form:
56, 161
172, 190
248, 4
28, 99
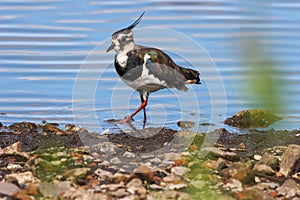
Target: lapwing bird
147, 69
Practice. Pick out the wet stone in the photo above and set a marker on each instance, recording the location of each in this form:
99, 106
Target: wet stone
186, 124
255, 118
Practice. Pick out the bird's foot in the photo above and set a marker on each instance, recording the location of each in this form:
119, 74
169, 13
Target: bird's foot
120, 121
127, 119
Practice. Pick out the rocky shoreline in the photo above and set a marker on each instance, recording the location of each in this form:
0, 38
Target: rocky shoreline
45, 162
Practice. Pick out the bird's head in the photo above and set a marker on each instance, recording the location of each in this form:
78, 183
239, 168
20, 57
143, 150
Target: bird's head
122, 40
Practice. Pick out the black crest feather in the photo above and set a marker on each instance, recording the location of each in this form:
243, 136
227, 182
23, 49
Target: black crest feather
136, 21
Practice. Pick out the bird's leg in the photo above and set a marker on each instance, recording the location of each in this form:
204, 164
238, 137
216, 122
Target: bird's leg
144, 109
142, 106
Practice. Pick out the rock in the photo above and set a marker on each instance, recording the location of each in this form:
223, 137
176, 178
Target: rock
76, 173
176, 186
255, 118
171, 156
14, 149
296, 176
144, 172
234, 185
289, 189
155, 187
290, 157
51, 128
180, 171
198, 184
14, 167
128, 154
103, 173
69, 127
172, 178
23, 178
270, 160
120, 177
76, 192
115, 160
49, 190
257, 157
108, 148
23, 127
112, 187
253, 194
121, 192
186, 124
263, 169
238, 171
135, 186
155, 161
8, 189
167, 195
216, 153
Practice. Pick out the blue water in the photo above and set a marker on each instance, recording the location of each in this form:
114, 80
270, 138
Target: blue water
43, 44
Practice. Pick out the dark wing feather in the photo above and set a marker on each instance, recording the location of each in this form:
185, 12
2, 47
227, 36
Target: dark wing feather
164, 68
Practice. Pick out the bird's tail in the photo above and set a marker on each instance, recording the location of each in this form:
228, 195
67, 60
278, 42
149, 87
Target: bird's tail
192, 76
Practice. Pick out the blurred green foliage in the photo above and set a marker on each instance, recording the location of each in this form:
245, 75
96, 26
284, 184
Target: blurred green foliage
263, 82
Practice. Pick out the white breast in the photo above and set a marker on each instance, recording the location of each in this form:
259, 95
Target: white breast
122, 59
146, 82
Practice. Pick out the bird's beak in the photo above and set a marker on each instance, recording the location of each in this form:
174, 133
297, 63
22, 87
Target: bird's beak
110, 47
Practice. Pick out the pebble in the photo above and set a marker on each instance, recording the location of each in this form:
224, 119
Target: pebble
270, 160
121, 192
176, 186
289, 189
135, 186
155, 161
128, 154
264, 169
88, 158
8, 189
186, 124
171, 156
115, 160
23, 178
289, 157
12, 166
180, 171
77, 172
108, 148
257, 157
171, 178
103, 173
234, 185
215, 152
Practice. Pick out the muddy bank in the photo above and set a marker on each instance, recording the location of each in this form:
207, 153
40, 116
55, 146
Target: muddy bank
43, 161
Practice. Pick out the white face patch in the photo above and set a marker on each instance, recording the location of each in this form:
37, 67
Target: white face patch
122, 35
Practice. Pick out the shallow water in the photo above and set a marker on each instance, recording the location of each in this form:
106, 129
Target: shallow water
43, 44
